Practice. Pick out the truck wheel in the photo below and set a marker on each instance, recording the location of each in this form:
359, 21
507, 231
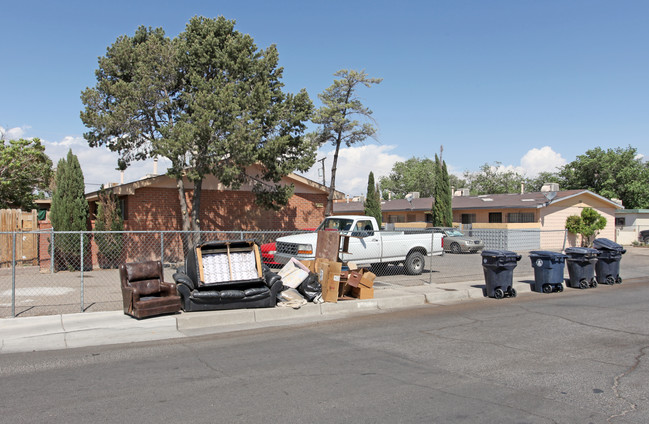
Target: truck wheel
414, 263
455, 248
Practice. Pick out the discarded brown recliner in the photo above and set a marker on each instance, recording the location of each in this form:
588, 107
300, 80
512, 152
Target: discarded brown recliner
144, 291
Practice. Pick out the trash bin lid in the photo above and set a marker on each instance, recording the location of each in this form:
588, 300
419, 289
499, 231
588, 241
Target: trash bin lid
606, 244
581, 251
500, 254
546, 254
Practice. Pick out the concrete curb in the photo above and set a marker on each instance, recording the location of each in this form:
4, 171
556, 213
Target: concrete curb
102, 328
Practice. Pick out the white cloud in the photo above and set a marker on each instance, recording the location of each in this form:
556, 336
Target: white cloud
354, 166
98, 163
13, 133
541, 160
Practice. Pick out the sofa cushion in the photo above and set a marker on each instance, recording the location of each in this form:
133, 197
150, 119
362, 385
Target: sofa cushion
256, 290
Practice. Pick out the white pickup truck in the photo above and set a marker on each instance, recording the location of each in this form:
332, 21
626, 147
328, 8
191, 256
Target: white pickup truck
367, 245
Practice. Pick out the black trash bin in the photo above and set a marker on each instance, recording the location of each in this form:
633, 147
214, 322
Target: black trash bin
548, 270
609, 255
498, 267
581, 267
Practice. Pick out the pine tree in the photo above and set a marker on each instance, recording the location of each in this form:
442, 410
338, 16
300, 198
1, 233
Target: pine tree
372, 202
69, 211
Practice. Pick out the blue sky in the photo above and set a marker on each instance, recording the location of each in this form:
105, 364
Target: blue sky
529, 84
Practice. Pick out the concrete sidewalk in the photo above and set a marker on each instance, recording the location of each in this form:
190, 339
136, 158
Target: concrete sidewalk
102, 328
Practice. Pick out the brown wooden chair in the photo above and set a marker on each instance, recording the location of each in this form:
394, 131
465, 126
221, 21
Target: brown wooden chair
144, 291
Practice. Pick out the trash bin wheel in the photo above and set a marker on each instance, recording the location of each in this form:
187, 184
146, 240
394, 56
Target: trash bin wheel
593, 282
499, 293
512, 292
583, 284
610, 280
618, 280
547, 288
559, 288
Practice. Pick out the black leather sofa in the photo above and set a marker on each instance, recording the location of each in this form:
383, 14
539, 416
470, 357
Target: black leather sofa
226, 275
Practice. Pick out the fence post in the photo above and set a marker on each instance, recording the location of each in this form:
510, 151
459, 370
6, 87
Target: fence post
13, 277
52, 251
432, 246
162, 248
82, 266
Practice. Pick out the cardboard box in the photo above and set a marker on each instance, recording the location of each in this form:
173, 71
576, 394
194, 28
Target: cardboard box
367, 280
362, 292
329, 276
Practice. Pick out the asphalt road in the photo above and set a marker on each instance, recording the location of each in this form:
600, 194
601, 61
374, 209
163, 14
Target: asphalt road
575, 357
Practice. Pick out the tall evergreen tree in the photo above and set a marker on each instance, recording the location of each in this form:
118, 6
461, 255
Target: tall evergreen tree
445, 193
372, 202
69, 211
442, 212
337, 116
211, 102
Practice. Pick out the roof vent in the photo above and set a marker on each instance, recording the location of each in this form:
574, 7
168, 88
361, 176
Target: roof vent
550, 187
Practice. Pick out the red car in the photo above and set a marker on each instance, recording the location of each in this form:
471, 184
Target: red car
268, 252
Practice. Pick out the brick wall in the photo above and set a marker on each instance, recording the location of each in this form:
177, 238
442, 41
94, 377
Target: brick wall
159, 209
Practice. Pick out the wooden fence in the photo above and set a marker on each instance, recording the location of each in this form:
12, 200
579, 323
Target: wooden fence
26, 244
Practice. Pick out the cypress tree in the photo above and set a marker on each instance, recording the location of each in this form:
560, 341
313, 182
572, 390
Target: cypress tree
372, 202
69, 210
445, 194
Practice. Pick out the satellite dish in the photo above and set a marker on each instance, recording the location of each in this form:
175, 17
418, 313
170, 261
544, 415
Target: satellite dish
550, 195
409, 198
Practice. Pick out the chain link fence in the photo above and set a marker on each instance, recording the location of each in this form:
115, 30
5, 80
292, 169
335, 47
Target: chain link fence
75, 272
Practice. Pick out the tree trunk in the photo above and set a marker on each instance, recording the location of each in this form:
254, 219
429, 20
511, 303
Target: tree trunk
186, 220
195, 215
332, 187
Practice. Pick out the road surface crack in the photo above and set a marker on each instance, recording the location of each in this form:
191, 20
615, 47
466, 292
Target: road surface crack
617, 381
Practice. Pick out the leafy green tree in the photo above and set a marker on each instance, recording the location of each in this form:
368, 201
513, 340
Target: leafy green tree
210, 101
109, 218
337, 118
373, 200
24, 169
587, 225
534, 184
492, 179
69, 210
442, 209
413, 175
613, 173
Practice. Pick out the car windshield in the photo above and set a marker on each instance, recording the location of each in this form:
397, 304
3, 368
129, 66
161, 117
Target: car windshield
338, 224
454, 233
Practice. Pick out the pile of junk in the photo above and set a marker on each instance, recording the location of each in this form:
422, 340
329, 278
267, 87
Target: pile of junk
326, 278
219, 275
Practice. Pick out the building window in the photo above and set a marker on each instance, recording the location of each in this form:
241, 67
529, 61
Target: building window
396, 218
495, 217
520, 217
122, 207
620, 222
468, 218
